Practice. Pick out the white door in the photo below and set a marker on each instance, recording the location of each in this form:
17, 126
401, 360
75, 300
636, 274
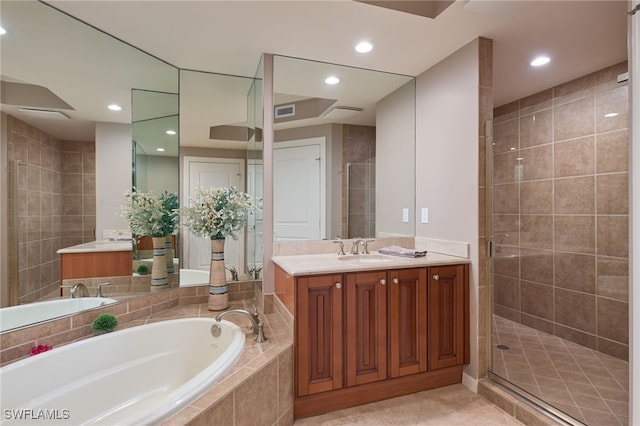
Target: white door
299, 190
218, 173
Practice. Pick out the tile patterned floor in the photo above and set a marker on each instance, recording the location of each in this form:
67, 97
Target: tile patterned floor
447, 406
590, 386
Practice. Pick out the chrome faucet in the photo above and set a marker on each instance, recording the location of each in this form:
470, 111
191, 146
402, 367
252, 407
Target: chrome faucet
234, 272
341, 250
78, 290
257, 324
99, 289
354, 246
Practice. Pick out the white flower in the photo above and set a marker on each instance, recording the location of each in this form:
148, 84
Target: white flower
217, 212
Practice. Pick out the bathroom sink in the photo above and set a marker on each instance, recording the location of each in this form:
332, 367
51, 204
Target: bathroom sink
366, 258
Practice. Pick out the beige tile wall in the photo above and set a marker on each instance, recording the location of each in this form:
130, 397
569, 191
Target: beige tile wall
55, 204
560, 211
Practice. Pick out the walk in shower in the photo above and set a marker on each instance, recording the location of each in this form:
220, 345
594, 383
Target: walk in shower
558, 206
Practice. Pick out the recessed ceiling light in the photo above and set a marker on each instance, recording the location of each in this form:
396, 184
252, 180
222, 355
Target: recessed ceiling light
539, 61
114, 107
160, 149
332, 80
170, 132
611, 114
2, 31
364, 47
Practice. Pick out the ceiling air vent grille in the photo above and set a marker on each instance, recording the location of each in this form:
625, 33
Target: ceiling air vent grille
285, 111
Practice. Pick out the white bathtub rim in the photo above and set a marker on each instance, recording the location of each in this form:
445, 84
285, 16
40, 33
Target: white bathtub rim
172, 403
104, 302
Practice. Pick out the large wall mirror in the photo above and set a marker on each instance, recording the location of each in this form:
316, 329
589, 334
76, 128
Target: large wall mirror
58, 77
344, 151
221, 145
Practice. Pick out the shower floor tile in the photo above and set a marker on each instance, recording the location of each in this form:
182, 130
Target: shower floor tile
590, 386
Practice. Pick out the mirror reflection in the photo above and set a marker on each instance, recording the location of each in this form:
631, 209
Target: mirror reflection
220, 145
69, 156
344, 145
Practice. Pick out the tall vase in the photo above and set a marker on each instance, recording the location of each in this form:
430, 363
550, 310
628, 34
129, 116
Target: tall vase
218, 296
168, 254
159, 274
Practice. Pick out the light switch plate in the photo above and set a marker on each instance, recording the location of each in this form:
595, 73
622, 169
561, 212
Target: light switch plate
405, 215
424, 217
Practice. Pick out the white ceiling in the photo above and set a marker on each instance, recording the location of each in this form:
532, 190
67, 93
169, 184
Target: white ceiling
229, 37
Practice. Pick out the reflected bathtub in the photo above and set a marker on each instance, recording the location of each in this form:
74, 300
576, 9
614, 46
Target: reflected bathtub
30, 313
192, 277
138, 376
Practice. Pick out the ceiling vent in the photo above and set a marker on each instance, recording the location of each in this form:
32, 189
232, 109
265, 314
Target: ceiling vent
285, 111
342, 113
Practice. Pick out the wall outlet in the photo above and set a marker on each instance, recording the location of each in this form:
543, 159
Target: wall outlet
424, 216
405, 215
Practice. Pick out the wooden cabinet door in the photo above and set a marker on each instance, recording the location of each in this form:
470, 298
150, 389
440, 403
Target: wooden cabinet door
319, 334
408, 321
447, 294
366, 327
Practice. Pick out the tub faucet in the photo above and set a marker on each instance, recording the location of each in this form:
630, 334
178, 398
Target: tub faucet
79, 290
257, 324
99, 289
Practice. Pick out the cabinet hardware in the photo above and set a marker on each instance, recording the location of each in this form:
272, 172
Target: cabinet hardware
338, 285
383, 281
436, 277
396, 281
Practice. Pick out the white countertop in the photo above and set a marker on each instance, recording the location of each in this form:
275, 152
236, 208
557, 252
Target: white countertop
310, 264
98, 246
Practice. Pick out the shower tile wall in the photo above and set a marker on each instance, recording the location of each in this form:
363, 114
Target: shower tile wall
561, 211
55, 205
359, 149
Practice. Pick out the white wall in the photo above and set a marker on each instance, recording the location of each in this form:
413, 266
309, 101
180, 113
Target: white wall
113, 174
447, 116
395, 175
162, 173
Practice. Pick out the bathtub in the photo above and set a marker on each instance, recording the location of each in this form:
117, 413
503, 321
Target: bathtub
30, 313
137, 376
191, 277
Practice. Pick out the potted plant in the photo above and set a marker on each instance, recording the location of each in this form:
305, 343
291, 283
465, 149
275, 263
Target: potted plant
217, 213
142, 269
152, 215
104, 323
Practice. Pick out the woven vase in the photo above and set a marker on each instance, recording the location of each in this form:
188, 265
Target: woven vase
159, 274
218, 296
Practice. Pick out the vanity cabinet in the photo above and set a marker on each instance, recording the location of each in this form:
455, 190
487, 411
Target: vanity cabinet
319, 303
371, 335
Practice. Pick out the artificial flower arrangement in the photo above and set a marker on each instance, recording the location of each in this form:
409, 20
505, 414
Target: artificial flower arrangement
151, 215
217, 212
39, 349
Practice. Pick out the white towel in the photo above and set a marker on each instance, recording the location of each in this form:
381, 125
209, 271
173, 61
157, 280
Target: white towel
401, 251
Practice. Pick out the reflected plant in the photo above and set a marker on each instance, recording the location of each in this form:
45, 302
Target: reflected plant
149, 214
217, 212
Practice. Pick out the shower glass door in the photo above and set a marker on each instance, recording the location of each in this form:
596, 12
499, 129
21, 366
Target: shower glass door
557, 181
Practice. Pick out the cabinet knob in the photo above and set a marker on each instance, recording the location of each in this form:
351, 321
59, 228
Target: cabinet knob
383, 281
396, 281
338, 285
436, 277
